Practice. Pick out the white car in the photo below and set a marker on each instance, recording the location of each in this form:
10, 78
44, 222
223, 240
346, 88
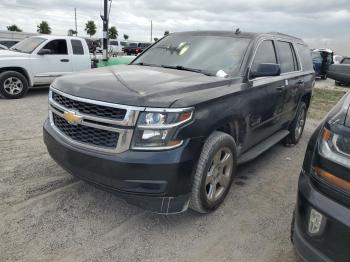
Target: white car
115, 47
38, 60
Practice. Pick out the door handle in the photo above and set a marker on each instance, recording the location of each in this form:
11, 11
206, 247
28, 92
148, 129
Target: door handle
65, 60
280, 88
300, 82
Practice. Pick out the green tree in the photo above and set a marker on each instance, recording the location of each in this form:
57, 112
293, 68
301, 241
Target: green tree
14, 28
155, 39
72, 32
113, 32
166, 32
44, 28
90, 28
126, 37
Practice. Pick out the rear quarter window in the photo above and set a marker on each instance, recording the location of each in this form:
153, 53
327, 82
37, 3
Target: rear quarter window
288, 60
305, 57
77, 47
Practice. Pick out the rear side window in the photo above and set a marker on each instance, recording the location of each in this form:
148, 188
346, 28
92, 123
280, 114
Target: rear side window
57, 47
265, 54
305, 57
78, 48
288, 59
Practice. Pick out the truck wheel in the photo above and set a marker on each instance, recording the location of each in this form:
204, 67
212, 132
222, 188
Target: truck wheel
297, 127
13, 85
214, 173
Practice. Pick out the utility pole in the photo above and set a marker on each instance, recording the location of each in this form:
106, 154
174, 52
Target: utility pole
105, 29
151, 31
76, 26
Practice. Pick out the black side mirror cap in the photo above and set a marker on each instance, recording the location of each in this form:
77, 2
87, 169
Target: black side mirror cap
265, 70
44, 52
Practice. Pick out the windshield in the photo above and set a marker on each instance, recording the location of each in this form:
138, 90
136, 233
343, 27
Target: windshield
28, 45
202, 53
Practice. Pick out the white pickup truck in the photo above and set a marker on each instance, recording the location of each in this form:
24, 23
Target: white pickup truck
38, 60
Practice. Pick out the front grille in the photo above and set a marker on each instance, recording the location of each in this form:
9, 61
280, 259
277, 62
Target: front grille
88, 108
85, 134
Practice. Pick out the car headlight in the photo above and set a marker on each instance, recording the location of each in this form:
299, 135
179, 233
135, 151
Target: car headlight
156, 128
335, 147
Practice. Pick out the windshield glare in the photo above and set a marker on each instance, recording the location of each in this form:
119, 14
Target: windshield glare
28, 45
205, 53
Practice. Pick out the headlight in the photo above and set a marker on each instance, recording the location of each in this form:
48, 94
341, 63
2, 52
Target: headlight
335, 147
156, 128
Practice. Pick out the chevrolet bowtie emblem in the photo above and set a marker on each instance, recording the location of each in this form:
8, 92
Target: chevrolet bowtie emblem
72, 117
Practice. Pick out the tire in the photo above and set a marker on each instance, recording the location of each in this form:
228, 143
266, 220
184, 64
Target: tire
13, 85
324, 77
297, 127
337, 83
292, 228
214, 172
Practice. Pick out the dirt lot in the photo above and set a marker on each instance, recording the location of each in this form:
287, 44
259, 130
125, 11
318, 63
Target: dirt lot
46, 215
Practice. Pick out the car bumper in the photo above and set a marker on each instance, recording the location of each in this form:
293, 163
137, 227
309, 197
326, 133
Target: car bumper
332, 242
158, 181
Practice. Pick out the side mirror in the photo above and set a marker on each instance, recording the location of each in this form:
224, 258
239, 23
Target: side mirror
44, 52
266, 70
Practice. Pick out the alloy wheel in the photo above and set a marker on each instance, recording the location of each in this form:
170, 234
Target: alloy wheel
219, 174
13, 86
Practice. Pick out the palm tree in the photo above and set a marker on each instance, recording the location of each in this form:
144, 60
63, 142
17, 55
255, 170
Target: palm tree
90, 28
72, 32
166, 32
44, 28
14, 28
126, 37
113, 32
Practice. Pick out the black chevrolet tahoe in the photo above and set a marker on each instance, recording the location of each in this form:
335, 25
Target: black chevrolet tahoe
167, 131
321, 223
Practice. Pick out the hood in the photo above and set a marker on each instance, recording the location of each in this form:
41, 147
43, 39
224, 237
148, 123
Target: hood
143, 86
10, 54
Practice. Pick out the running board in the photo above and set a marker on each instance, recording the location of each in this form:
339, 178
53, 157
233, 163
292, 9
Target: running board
262, 147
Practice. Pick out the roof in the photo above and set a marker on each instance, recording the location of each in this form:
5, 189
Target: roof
242, 34
49, 37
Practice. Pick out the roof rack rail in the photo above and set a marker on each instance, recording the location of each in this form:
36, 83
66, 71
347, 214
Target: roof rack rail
281, 34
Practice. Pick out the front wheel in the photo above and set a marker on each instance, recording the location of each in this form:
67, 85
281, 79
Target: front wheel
214, 172
13, 85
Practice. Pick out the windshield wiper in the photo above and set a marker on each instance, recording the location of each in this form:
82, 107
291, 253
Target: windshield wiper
183, 68
146, 64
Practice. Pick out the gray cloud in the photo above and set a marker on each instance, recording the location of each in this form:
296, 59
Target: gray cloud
312, 20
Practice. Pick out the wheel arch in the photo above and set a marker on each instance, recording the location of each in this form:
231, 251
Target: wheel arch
306, 98
20, 70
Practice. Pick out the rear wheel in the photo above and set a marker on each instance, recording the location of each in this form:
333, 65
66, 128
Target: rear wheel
297, 127
13, 85
214, 172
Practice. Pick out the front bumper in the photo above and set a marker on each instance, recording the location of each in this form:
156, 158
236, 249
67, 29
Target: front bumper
332, 244
158, 181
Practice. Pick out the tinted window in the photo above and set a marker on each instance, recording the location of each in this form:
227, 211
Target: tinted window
8, 43
77, 47
346, 61
264, 55
206, 53
287, 57
113, 42
132, 45
123, 43
305, 57
57, 47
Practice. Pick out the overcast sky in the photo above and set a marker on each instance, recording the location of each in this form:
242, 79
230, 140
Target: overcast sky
320, 22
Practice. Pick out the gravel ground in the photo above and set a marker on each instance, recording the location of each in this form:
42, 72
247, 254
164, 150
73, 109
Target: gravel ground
47, 215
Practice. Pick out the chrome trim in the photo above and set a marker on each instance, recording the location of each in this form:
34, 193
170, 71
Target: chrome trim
158, 148
124, 139
166, 126
168, 110
125, 134
130, 118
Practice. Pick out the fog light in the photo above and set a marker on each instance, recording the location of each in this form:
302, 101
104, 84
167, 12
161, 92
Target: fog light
316, 222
